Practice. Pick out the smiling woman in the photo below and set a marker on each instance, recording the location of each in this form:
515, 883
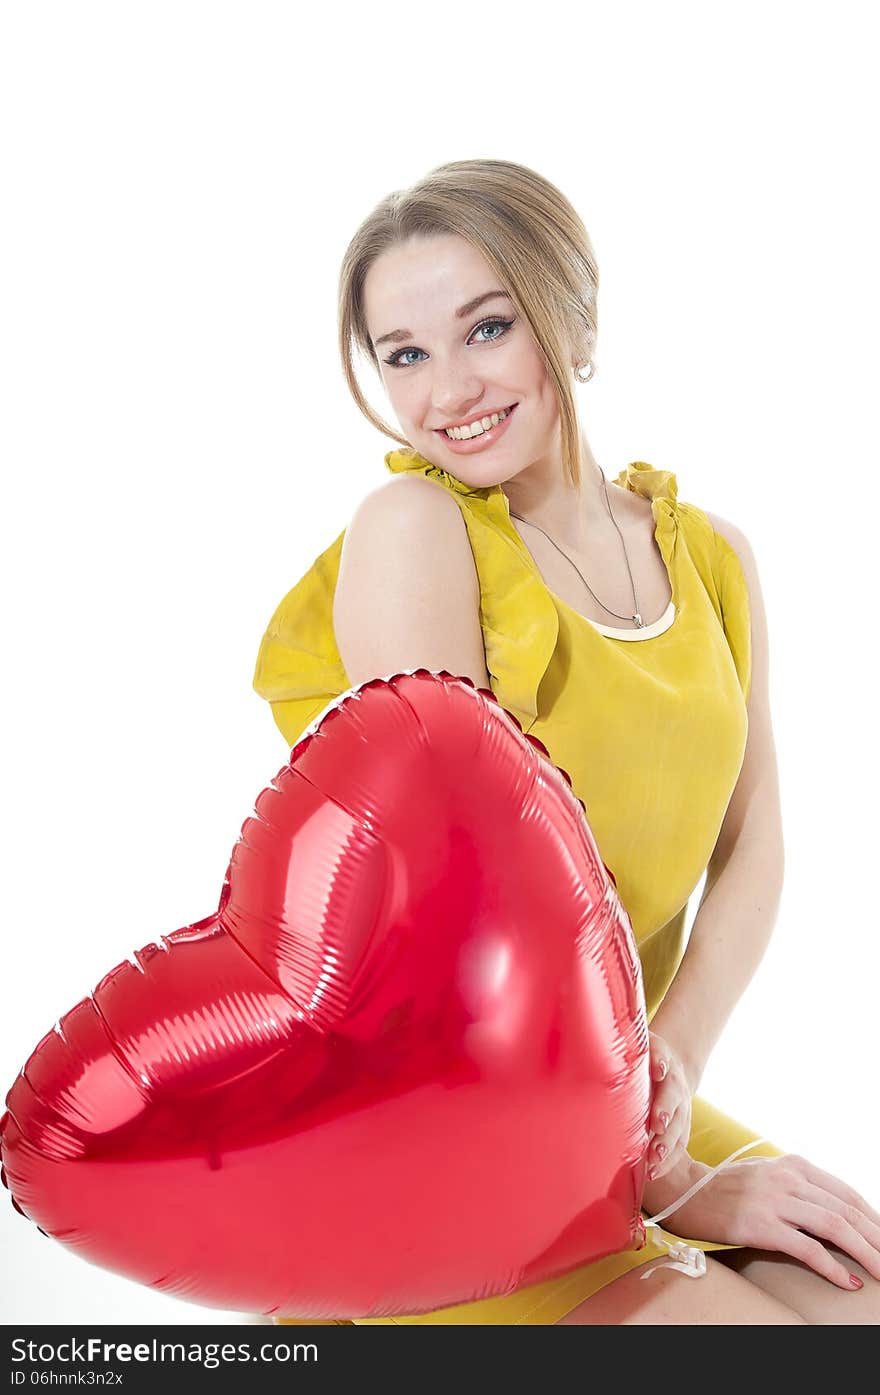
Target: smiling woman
423, 265
667, 741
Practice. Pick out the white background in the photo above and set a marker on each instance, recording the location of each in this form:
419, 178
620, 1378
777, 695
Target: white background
179, 184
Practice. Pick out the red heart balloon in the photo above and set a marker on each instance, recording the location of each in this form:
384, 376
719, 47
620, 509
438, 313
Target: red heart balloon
404, 1065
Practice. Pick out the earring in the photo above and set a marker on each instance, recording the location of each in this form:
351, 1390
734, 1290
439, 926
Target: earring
577, 373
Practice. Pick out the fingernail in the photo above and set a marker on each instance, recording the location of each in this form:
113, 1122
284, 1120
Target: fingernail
661, 1151
664, 1120
652, 1173
855, 1282
662, 1069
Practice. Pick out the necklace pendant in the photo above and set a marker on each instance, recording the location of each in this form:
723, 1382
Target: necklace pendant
638, 621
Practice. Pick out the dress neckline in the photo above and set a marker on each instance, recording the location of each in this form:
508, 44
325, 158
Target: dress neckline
656, 490
659, 627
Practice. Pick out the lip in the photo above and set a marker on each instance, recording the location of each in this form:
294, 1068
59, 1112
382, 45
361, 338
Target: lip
478, 416
474, 445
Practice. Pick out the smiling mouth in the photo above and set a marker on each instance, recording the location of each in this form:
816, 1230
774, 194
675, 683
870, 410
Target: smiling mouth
443, 430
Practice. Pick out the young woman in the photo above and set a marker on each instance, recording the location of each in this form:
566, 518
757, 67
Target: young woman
623, 627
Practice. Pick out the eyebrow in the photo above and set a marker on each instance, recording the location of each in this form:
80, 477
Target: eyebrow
397, 334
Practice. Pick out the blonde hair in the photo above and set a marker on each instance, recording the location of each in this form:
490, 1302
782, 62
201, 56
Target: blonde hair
533, 240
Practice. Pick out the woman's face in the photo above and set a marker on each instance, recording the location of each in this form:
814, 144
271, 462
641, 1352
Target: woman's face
445, 368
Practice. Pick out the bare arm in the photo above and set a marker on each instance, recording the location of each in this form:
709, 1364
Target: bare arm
408, 595
743, 887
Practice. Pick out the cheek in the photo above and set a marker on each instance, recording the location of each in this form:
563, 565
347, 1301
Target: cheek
408, 401
542, 400
536, 381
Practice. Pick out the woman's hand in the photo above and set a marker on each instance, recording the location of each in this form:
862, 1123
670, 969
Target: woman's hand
670, 1119
782, 1203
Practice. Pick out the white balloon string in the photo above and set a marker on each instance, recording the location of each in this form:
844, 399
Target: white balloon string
687, 1258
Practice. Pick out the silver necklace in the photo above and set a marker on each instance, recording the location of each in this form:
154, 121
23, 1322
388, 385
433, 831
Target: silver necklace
636, 618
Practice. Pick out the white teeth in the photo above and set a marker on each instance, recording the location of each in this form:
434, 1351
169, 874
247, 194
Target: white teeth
476, 428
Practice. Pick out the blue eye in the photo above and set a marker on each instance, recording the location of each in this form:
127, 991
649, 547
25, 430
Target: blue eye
394, 359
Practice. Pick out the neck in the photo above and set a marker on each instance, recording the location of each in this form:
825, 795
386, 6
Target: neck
571, 514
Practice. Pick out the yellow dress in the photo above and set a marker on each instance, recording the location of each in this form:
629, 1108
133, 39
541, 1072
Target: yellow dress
651, 731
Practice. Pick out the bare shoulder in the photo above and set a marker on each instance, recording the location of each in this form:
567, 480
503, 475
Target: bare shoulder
408, 593
415, 528
731, 534
737, 540
419, 500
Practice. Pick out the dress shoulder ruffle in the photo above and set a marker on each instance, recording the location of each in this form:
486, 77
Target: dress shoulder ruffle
716, 562
299, 669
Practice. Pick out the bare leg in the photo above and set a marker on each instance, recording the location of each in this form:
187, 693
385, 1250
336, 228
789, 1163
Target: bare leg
808, 1293
667, 1298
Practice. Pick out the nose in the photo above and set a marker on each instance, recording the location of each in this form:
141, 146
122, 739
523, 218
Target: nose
454, 404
